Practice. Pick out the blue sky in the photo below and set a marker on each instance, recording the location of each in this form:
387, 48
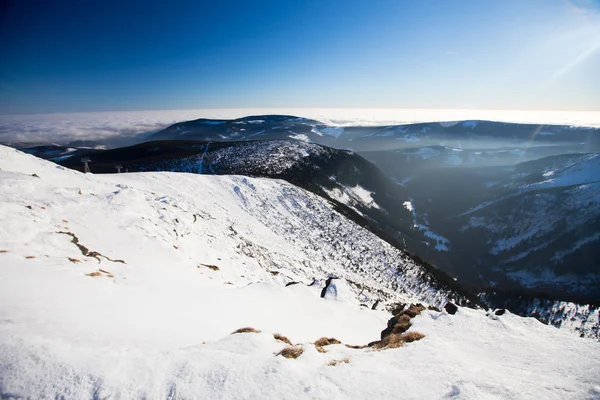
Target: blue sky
67, 56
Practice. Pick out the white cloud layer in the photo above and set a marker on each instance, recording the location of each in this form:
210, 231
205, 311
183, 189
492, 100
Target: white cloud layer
63, 128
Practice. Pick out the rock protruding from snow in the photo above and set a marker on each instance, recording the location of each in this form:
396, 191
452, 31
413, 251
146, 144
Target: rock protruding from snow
338, 290
451, 308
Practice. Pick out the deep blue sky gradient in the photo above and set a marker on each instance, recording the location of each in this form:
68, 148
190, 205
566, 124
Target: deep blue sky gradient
87, 55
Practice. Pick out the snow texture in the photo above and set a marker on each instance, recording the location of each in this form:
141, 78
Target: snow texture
179, 261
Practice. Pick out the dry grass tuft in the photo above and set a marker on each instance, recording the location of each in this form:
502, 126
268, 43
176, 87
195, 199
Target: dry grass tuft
100, 272
414, 310
324, 341
245, 330
412, 336
282, 338
402, 324
355, 346
3, 251
74, 260
320, 349
291, 352
395, 340
30, 257
333, 363
107, 273
392, 341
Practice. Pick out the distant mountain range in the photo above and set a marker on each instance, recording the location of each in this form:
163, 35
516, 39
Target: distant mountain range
461, 135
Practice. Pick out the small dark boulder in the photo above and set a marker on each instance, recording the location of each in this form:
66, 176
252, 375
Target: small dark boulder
374, 307
500, 311
451, 308
433, 308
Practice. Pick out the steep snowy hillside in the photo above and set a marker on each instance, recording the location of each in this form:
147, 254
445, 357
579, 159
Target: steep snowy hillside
359, 190
129, 285
426, 223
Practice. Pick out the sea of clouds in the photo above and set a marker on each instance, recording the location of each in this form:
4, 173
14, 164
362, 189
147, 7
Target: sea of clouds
124, 125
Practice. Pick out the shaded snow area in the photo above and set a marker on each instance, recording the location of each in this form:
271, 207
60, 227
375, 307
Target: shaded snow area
299, 136
585, 170
546, 217
336, 132
128, 286
439, 242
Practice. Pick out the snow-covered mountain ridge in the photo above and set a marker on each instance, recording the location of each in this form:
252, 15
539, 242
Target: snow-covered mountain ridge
127, 286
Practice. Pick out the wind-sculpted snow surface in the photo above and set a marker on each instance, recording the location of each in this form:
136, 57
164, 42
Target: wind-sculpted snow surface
129, 285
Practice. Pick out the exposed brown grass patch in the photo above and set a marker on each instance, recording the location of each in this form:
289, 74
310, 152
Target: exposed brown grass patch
282, 338
212, 267
107, 273
325, 341
245, 330
395, 340
333, 363
291, 352
355, 346
414, 310
85, 251
391, 341
101, 272
30, 257
396, 325
3, 251
74, 260
35, 175
412, 336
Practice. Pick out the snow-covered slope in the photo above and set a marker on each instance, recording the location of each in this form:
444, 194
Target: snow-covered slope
128, 286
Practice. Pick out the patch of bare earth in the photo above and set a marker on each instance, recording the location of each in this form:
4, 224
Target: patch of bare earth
245, 330
333, 363
396, 335
282, 338
292, 352
325, 341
